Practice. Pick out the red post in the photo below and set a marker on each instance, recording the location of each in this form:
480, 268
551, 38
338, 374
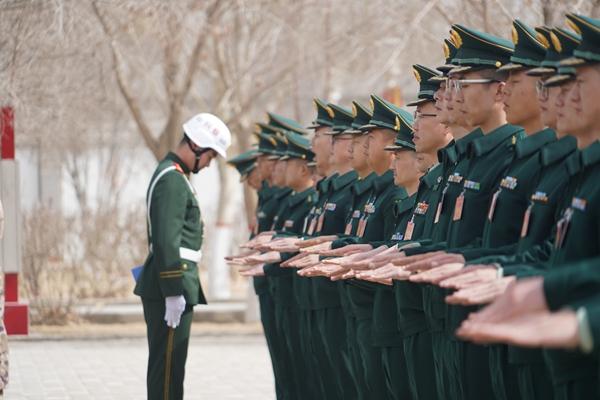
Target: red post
16, 314
7, 133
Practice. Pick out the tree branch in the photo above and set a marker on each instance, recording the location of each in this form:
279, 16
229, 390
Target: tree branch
131, 102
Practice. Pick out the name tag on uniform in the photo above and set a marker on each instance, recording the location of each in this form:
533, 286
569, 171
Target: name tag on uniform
458, 207
410, 227
508, 183
356, 214
455, 178
397, 236
421, 208
540, 197
493, 205
330, 206
362, 225
472, 185
320, 222
526, 218
579, 203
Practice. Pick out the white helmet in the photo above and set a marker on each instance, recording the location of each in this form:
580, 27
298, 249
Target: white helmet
208, 131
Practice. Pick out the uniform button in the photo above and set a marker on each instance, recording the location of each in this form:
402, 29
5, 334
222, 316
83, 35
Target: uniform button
184, 266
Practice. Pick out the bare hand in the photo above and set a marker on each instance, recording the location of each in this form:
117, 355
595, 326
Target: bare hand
524, 296
538, 329
436, 275
482, 293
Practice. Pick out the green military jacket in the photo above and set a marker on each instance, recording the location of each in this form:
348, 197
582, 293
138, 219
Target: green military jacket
379, 224
545, 197
578, 238
511, 197
266, 208
361, 191
174, 232
386, 322
302, 286
453, 159
291, 221
489, 158
408, 296
333, 222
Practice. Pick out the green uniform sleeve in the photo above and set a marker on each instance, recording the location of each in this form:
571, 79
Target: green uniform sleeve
572, 283
167, 215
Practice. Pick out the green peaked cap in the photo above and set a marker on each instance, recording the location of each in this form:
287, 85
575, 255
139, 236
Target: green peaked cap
298, 146
427, 86
342, 119
588, 50
361, 116
385, 115
244, 162
449, 53
529, 50
478, 50
286, 124
281, 143
404, 136
561, 44
266, 141
324, 115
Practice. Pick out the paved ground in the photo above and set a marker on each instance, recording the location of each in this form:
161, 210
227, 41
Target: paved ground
219, 368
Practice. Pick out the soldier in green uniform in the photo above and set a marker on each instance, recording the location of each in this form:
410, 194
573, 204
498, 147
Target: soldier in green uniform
544, 188
245, 164
430, 135
169, 284
265, 212
327, 219
387, 331
479, 95
375, 224
573, 375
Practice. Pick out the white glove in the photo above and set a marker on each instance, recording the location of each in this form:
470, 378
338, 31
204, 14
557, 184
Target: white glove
174, 306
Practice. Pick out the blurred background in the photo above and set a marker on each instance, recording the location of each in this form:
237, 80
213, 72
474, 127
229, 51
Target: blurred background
99, 90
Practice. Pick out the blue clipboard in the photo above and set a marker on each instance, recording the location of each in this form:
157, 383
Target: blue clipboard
136, 271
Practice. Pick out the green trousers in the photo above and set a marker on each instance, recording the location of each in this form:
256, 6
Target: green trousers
396, 374
505, 380
419, 360
267, 318
167, 349
372, 365
438, 346
579, 389
331, 326
534, 381
314, 389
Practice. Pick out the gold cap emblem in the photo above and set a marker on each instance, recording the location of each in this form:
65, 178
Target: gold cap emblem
556, 42
515, 35
417, 75
456, 39
354, 110
398, 125
446, 50
330, 112
543, 40
573, 26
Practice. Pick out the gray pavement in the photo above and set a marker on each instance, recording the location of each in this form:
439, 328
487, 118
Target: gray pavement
218, 367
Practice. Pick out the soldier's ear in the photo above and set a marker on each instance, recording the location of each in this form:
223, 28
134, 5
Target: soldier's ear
499, 97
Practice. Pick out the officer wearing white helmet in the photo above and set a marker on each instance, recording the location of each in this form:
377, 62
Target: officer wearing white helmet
168, 282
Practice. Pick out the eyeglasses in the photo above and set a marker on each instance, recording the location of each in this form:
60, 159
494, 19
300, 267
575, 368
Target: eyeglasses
419, 115
456, 85
542, 90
